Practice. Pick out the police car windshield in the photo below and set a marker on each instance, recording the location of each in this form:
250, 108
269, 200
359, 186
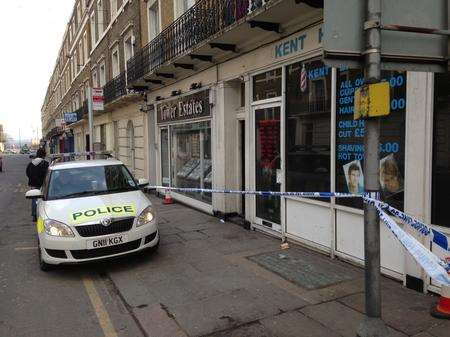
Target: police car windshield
88, 181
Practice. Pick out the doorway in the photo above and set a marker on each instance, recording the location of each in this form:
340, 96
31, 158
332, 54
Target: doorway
268, 163
242, 164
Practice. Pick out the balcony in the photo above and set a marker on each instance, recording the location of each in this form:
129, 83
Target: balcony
115, 88
213, 31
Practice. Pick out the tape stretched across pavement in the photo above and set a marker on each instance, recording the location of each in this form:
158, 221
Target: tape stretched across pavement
435, 267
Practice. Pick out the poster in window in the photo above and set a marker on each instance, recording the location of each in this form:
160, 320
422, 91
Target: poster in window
350, 138
354, 177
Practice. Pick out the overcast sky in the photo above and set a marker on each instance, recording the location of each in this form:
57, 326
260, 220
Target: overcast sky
31, 34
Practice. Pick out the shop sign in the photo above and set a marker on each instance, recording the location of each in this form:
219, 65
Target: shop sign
185, 108
299, 43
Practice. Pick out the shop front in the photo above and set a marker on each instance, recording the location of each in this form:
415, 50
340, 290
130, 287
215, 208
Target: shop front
185, 140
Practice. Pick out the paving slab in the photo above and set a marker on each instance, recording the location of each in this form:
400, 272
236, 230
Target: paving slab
308, 270
156, 323
295, 324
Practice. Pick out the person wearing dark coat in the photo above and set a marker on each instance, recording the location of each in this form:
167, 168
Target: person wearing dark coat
36, 172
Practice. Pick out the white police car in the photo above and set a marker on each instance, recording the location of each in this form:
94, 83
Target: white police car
92, 209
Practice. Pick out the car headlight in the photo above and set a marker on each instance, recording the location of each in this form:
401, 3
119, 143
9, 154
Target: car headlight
56, 228
145, 217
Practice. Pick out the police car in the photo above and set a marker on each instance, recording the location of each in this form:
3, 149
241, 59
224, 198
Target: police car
92, 209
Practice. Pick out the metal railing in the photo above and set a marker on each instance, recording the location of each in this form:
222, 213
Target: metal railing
203, 20
115, 88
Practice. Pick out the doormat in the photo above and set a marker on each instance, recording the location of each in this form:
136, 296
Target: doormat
305, 269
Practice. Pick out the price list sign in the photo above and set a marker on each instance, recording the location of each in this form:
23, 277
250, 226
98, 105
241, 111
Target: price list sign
350, 139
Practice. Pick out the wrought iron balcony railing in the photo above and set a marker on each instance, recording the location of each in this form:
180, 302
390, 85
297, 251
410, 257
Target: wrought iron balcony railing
115, 88
202, 21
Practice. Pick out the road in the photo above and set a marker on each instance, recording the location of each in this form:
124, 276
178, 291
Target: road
71, 301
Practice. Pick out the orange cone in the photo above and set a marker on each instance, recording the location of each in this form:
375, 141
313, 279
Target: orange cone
167, 198
442, 309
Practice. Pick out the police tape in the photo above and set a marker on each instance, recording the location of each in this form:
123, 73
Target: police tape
433, 266
437, 237
436, 268
261, 193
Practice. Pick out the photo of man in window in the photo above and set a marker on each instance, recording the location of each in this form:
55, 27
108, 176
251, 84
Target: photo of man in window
390, 178
354, 177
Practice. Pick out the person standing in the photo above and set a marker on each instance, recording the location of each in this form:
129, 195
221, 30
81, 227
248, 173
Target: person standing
36, 172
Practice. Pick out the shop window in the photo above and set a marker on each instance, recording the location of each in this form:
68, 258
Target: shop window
267, 85
350, 140
191, 158
308, 120
440, 213
165, 171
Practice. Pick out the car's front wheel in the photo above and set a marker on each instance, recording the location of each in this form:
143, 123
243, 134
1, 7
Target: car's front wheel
42, 264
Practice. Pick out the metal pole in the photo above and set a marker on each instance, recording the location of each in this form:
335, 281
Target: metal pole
372, 325
91, 120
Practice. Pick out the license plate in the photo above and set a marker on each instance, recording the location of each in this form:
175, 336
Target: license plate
107, 242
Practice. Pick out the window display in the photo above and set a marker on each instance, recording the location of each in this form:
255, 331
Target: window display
165, 157
350, 140
308, 120
440, 213
267, 85
191, 158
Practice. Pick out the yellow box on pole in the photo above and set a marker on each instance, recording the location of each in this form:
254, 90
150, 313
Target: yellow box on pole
372, 100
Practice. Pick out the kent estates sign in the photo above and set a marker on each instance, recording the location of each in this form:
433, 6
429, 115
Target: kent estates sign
185, 108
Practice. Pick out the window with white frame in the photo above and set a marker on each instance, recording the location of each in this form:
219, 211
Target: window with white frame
154, 26
94, 78
128, 47
113, 8
182, 6
115, 61
102, 70
79, 14
85, 47
100, 17
81, 55
93, 30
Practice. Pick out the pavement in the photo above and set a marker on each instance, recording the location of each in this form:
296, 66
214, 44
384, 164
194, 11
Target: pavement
209, 278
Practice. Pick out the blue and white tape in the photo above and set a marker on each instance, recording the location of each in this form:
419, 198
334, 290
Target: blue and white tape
432, 265
436, 237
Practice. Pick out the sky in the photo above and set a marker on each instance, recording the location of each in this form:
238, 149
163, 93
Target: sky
31, 35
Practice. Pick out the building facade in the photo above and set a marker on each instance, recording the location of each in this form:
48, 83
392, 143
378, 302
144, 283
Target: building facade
234, 94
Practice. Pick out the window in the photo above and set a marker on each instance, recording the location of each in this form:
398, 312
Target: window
350, 140
85, 47
93, 31
103, 136
70, 183
81, 55
102, 74
94, 78
440, 212
267, 85
191, 158
182, 6
115, 62
165, 171
100, 17
128, 47
113, 4
308, 124
153, 20
79, 14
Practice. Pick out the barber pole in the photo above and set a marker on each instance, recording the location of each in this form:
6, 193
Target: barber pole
303, 79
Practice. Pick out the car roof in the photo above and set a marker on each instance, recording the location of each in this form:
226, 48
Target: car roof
84, 163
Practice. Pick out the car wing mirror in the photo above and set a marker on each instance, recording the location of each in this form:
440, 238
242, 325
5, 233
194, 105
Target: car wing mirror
143, 182
33, 194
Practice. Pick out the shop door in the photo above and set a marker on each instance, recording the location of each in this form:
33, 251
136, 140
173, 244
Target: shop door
268, 162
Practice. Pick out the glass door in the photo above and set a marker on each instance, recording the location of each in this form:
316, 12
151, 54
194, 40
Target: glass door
268, 162
165, 172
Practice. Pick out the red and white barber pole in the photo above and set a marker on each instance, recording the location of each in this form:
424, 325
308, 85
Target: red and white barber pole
442, 308
303, 79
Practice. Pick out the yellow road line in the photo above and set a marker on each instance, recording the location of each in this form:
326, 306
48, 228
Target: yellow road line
25, 248
99, 308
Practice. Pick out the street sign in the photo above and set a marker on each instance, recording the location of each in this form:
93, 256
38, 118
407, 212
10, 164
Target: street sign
344, 34
372, 100
71, 117
97, 99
